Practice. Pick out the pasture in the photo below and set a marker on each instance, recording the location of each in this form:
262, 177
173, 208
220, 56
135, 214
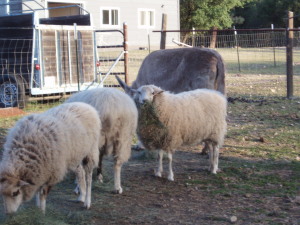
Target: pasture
258, 183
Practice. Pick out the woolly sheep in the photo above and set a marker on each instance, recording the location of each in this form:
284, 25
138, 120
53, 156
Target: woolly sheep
41, 148
118, 114
168, 121
182, 69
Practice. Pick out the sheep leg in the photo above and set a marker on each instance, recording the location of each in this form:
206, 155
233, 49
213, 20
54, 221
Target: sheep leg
41, 197
99, 169
160, 166
117, 176
171, 175
216, 158
210, 154
87, 202
213, 157
81, 183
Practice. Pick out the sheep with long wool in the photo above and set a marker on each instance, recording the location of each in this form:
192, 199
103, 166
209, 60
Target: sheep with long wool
118, 114
41, 148
168, 121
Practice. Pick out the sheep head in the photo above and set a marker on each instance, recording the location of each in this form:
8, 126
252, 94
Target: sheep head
142, 94
146, 93
11, 189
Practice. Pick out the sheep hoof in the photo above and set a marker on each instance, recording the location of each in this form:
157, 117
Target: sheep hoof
120, 191
157, 174
170, 178
214, 171
100, 178
87, 206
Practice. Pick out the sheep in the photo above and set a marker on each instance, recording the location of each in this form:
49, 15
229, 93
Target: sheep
118, 114
168, 121
182, 69
41, 148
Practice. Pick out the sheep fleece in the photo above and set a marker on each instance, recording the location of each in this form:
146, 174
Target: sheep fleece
190, 117
42, 148
118, 115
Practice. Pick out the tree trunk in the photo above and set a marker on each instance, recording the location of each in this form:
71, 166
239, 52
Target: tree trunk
213, 38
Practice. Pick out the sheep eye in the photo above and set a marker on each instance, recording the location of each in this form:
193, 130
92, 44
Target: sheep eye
153, 93
16, 193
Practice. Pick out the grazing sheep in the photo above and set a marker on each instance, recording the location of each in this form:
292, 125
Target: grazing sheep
182, 69
168, 121
41, 148
118, 115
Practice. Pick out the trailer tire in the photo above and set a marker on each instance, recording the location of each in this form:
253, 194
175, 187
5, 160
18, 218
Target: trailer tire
12, 92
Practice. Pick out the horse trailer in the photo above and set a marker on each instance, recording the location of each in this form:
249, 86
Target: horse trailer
45, 56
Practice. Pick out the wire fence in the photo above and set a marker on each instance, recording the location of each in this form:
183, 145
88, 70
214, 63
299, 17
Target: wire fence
255, 62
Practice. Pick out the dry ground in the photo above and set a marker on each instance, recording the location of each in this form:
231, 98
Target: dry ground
259, 182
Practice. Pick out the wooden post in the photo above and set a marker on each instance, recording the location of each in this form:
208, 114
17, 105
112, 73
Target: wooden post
289, 55
125, 52
163, 31
213, 38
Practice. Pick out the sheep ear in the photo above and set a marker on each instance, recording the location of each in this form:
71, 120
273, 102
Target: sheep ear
22, 183
158, 92
128, 90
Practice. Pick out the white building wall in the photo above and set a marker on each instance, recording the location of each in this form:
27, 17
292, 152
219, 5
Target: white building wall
128, 12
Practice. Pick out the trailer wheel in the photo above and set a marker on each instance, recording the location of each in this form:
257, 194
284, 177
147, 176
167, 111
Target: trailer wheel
12, 92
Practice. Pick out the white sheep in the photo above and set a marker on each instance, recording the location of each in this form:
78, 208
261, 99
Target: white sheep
41, 148
118, 114
168, 121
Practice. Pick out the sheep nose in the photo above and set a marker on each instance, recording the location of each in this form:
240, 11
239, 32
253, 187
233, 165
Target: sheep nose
142, 101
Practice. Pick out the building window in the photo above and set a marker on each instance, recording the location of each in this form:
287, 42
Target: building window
110, 17
146, 18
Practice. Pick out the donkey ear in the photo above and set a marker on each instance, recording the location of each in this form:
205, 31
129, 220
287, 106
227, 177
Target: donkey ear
128, 90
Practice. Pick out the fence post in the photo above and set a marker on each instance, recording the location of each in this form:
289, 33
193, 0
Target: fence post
76, 51
193, 37
163, 31
273, 43
125, 30
289, 55
237, 48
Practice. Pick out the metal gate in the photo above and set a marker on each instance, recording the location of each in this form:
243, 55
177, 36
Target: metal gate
112, 56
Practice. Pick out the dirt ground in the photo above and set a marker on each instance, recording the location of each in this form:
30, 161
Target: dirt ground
151, 200
8, 112
196, 197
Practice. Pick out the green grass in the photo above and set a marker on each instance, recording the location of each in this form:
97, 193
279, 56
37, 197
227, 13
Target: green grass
268, 178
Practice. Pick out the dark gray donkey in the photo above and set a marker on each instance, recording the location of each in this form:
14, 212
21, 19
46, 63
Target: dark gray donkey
181, 69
